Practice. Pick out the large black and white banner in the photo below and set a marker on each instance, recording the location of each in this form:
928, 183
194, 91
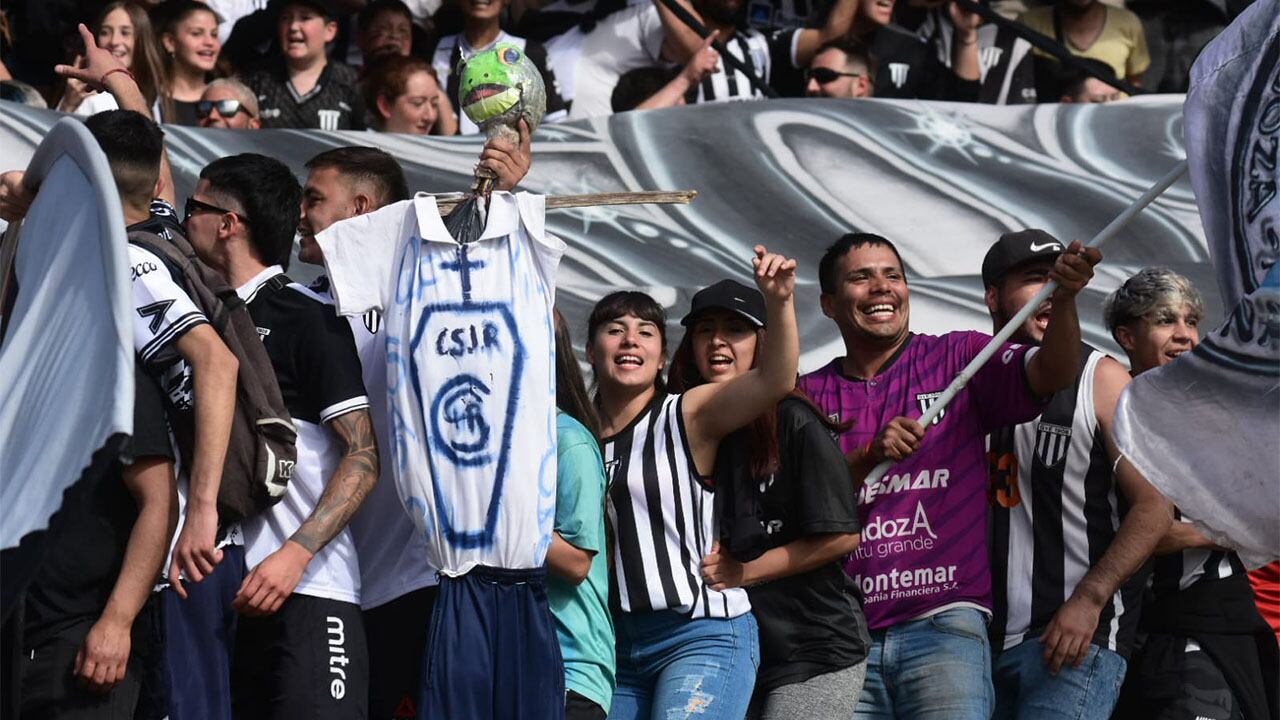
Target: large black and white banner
941, 180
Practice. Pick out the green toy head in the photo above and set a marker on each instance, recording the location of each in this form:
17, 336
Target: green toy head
499, 87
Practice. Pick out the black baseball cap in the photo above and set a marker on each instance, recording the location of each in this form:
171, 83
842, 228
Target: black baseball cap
325, 7
727, 295
1015, 248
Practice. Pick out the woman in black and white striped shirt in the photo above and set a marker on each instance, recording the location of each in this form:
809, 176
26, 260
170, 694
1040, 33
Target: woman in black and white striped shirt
682, 647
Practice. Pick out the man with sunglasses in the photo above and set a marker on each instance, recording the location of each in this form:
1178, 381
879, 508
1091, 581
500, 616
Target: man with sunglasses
228, 103
840, 69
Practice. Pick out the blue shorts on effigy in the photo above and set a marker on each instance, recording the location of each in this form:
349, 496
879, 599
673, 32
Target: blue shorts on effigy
492, 651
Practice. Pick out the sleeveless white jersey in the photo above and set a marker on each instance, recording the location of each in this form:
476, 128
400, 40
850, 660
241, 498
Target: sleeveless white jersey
470, 371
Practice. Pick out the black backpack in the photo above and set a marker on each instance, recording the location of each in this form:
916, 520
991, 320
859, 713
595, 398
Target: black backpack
263, 449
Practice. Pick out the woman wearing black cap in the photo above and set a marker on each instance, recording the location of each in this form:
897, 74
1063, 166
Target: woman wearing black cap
787, 513
683, 648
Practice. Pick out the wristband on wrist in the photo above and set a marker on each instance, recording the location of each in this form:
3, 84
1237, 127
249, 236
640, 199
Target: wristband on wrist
103, 80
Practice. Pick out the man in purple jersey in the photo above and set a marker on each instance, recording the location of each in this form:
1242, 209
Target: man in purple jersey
923, 563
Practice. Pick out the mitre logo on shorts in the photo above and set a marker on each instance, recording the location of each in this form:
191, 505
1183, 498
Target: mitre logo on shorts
925, 400
1052, 442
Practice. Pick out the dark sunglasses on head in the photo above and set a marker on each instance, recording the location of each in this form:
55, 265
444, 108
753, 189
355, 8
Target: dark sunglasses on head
194, 206
826, 75
226, 108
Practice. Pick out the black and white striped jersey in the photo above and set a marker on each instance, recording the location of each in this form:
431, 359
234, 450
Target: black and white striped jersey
663, 518
1055, 512
1180, 570
764, 55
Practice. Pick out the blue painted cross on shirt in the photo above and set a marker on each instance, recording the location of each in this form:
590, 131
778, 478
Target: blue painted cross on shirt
464, 266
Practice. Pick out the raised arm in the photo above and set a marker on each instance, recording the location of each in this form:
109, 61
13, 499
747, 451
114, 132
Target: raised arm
270, 583
964, 43
705, 61
1054, 365
839, 22
103, 72
714, 410
679, 42
213, 370
103, 657
1069, 633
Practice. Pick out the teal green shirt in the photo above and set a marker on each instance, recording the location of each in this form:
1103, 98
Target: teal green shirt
583, 623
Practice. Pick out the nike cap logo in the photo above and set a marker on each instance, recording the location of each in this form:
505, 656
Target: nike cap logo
1046, 246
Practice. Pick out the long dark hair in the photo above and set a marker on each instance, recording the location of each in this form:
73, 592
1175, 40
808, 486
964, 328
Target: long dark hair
571, 390
634, 303
762, 431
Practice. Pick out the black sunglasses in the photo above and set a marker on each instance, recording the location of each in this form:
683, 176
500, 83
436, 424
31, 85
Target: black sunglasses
826, 75
226, 108
194, 206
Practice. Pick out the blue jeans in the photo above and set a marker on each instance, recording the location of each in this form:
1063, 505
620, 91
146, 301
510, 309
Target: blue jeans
670, 666
1025, 689
200, 637
938, 667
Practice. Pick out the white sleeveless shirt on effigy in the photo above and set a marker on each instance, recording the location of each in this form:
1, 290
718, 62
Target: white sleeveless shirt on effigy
470, 371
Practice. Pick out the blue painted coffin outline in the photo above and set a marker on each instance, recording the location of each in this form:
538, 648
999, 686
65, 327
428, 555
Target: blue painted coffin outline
475, 538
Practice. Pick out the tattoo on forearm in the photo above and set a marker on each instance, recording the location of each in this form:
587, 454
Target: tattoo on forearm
350, 483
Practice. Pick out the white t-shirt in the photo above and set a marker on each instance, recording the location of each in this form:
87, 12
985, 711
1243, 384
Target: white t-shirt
163, 312
470, 370
626, 40
392, 554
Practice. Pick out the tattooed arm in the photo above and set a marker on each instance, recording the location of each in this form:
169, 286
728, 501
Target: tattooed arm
268, 585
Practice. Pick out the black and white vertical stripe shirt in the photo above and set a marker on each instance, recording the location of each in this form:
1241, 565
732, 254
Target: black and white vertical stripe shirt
764, 55
663, 516
1055, 512
1178, 571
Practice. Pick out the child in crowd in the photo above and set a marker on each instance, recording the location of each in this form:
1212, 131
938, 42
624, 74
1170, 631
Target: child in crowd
189, 35
304, 89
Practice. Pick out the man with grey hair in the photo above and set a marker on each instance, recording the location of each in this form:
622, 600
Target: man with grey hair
228, 103
1208, 651
1066, 554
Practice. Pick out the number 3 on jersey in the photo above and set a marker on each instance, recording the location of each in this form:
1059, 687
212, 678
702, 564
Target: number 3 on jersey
1003, 471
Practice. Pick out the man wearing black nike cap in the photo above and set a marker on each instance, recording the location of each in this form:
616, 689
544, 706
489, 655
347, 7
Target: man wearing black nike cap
1064, 551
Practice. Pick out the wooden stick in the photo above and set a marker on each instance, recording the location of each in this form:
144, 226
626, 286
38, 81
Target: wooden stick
447, 201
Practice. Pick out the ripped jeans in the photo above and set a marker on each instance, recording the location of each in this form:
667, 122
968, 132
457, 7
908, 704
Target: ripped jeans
671, 667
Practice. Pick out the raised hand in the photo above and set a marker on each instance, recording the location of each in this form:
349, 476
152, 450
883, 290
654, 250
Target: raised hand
510, 162
1074, 269
704, 62
966, 23
775, 274
98, 62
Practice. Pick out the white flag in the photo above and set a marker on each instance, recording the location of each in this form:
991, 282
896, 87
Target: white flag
1205, 429
66, 363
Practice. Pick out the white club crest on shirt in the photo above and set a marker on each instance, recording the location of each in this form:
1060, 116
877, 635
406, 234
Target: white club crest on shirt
925, 400
898, 73
372, 321
1052, 442
988, 58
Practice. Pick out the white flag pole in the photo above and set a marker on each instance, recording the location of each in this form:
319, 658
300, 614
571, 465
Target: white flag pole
935, 408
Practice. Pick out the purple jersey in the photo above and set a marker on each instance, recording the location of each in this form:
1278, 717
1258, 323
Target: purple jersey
924, 537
